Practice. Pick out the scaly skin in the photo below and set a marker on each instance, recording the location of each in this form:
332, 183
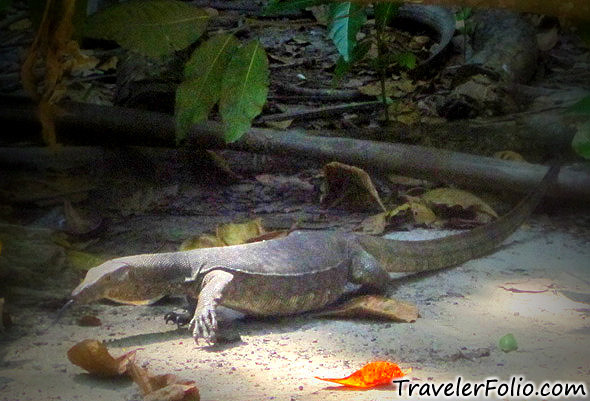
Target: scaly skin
301, 272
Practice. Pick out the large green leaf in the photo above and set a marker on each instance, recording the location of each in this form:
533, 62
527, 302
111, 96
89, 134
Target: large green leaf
581, 141
343, 67
384, 13
581, 107
283, 6
152, 27
196, 96
244, 90
346, 20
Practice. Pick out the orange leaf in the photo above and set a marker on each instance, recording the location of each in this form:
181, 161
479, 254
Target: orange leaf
371, 375
93, 356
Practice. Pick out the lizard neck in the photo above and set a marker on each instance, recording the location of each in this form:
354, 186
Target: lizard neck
416, 256
158, 273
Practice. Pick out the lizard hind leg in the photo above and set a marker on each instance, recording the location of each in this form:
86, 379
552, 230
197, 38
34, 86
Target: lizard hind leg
366, 271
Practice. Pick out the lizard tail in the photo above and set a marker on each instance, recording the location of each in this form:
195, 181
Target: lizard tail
417, 256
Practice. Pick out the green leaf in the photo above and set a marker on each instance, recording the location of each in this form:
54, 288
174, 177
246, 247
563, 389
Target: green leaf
153, 28
196, 96
384, 13
4, 4
346, 20
358, 53
244, 90
283, 6
581, 141
581, 107
406, 60
463, 13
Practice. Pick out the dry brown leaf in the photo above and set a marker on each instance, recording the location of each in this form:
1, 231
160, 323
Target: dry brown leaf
89, 321
451, 197
110, 64
374, 225
239, 233
374, 306
165, 387
349, 185
377, 224
93, 356
226, 234
201, 241
280, 125
422, 214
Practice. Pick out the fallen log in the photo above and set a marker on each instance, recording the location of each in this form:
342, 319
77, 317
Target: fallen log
86, 124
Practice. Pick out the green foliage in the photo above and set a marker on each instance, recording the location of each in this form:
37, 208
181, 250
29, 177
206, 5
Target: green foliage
384, 13
201, 90
243, 90
4, 4
358, 53
581, 107
285, 6
581, 140
152, 27
463, 13
346, 19
405, 60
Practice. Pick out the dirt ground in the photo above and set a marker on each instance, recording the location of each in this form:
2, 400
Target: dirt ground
537, 287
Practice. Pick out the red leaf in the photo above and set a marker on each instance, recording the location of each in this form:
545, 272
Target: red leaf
371, 375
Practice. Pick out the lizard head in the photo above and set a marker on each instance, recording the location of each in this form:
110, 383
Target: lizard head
102, 280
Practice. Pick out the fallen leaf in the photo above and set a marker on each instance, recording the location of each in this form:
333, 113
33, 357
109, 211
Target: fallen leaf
377, 224
371, 375
165, 387
201, 241
349, 185
93, 356
374, 306
451, 197
239, 233
280, 125
226, 234
110, 64
89, 321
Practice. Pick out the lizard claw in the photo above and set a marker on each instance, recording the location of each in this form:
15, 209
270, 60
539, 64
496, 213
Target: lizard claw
204, 325
180, 319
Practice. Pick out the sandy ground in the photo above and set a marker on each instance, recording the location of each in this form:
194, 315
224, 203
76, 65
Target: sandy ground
464, 313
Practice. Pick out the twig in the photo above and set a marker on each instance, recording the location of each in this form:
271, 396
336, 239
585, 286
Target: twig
322, 112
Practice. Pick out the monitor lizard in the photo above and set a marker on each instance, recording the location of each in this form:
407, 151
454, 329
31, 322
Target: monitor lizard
304, 271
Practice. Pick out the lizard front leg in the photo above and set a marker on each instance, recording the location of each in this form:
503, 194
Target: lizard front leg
204, 322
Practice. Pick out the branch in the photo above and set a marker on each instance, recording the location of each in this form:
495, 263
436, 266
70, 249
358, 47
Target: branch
85, 124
